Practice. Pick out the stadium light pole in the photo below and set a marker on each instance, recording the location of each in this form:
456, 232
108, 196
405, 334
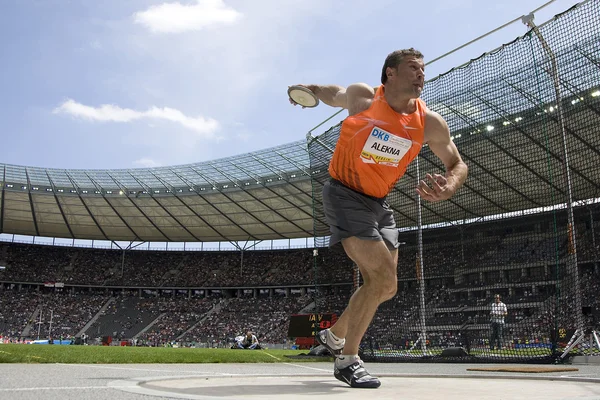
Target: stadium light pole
571, 258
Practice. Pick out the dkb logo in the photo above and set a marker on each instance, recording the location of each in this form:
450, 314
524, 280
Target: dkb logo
380, 134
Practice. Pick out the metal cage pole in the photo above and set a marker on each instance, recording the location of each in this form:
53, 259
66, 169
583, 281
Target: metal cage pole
420, 271
572, 270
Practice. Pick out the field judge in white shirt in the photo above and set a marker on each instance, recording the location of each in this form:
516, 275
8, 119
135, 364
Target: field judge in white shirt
497, 313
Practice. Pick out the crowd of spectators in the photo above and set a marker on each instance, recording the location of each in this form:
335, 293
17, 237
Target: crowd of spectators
177, 316
52, 313
144, 268
69, 312
267, 317
16, 312
522, 265
126, 315
498, 256
217, 320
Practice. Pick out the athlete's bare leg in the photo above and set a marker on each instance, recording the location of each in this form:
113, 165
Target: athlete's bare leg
378, 266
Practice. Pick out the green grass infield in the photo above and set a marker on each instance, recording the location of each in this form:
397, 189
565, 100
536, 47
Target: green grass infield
32, 353
38, 354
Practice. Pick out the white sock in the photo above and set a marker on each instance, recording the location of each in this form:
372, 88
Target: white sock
346, 359
335, 339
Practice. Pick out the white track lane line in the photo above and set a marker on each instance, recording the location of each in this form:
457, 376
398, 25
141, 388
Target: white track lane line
312, 368
298, 365
272, 356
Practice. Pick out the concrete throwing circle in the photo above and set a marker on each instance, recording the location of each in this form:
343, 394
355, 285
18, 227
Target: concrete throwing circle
392, 387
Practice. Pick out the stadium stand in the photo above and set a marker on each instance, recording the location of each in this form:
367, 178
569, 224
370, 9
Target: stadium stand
207, 298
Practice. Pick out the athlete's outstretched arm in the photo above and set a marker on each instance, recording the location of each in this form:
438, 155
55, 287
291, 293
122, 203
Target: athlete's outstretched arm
442, 187
332, 95
339, 96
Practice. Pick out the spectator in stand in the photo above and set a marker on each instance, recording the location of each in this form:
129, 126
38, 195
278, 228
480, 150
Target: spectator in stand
497, 313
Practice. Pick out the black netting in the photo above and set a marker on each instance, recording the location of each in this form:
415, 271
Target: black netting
526, 120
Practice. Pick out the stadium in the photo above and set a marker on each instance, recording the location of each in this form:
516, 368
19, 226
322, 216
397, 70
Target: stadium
525, 226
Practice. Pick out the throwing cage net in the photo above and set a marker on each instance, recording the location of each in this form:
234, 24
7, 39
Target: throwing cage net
525, 225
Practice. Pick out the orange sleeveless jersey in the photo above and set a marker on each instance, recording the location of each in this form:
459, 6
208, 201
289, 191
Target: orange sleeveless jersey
376, 146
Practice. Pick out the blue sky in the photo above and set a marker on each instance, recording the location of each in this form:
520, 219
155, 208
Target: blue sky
125, 84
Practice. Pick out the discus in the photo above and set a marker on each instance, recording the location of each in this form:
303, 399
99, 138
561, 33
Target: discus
303, 96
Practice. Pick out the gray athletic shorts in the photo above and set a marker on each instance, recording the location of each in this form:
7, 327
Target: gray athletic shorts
350, 213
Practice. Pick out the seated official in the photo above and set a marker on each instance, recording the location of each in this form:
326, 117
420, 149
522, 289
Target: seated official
249, 341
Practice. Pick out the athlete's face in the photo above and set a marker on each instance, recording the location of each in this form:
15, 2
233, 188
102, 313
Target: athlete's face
409, 77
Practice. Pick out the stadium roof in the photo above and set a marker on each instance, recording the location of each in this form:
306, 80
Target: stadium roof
255, 196
501, 110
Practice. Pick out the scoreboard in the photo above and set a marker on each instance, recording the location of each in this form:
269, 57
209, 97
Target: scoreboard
307, 325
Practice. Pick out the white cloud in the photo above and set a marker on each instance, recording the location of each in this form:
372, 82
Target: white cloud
177, 17
96, 45
146, 163
234, 73
204, 127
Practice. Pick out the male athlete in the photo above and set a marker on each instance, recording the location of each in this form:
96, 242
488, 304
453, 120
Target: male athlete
383, 133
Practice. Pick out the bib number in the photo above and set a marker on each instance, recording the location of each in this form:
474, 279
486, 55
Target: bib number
384, 148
